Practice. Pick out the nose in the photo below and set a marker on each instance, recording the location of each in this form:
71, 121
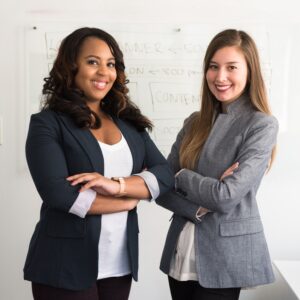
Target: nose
102, 69
221, 75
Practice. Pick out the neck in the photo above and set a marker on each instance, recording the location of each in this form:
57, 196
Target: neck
95, 107
224, 105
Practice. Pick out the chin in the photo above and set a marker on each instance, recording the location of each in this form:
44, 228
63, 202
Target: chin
223, 99
226, 98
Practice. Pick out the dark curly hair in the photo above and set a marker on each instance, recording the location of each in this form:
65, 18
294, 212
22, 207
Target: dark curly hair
61, 94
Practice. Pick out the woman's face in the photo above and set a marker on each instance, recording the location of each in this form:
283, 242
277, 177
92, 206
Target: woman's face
227, 74
96, 69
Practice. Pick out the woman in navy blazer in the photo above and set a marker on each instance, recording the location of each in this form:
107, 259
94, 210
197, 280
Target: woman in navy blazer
89, 128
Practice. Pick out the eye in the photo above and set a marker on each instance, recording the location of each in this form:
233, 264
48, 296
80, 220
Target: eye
232, 68
213, 67
92, 61
111, 65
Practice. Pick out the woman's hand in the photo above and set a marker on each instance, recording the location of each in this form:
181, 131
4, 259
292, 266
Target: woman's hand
230, 170
97, 182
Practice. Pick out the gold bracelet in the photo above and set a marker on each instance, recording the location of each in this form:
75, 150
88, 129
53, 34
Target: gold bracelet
122, 182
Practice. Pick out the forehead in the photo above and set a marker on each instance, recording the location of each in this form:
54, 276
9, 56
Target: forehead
95, 46
229, 54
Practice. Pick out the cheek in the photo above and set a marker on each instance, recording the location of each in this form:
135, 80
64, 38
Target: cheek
244, 77
78, 80
82, 77
209, 78
244, 81
114, 76
240, 80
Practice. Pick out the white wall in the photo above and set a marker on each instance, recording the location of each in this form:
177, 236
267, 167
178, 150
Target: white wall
278, 197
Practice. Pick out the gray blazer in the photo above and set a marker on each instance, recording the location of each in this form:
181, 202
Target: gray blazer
230, 245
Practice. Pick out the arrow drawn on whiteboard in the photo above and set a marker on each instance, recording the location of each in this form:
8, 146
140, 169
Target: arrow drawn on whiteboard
174, 50
192, 72
153, 72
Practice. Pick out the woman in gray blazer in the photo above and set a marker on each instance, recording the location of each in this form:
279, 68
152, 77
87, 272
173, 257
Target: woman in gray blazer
216, 243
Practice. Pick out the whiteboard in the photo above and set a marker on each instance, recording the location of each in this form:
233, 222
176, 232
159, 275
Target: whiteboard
163, 65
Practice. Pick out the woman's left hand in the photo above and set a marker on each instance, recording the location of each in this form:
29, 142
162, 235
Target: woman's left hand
229, 171
97, 182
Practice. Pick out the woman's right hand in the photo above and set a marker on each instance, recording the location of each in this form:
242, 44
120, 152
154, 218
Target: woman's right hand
230, 170
95, 181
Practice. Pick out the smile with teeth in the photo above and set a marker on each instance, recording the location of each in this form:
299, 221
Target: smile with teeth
100, 85
223, 88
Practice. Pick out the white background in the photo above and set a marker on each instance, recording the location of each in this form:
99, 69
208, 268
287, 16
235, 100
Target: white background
163, 65
278, 197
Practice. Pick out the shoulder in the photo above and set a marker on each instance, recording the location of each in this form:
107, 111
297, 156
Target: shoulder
45, 115
187, 123
259, 125
191, 118
260, 119
45, 121
50, 117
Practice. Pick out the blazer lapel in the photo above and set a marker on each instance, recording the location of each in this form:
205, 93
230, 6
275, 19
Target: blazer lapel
131, 141
88, 142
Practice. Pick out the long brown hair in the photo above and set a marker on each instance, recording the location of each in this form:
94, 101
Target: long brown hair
202, 122
61, 94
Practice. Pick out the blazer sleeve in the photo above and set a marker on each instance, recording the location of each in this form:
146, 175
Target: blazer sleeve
172, 200
253, 158
47, 163
156, 164
176, 203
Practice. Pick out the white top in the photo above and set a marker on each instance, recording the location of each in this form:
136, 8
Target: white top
117, 163
113, 255
183, 263
85, 199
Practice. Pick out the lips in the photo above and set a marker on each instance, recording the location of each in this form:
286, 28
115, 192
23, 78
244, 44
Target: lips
100, 85
223, 88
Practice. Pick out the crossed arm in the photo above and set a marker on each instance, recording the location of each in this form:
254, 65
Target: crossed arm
48, 166
177, 203
223, 195
107, 191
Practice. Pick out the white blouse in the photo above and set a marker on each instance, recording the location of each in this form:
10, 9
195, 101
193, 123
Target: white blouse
183, 263
113, 254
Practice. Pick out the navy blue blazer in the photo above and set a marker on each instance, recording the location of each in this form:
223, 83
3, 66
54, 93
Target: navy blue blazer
63, 250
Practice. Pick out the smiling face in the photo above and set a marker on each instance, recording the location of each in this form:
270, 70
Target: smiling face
96, 70
227, 74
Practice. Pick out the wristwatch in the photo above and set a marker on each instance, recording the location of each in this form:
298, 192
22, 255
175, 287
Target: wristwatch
121, 180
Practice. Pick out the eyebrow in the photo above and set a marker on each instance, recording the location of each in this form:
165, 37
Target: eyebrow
227, 63
95, 56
